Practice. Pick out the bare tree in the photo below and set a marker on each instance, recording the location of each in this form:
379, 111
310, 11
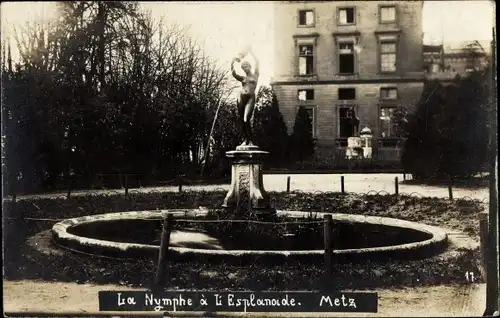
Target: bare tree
106, 79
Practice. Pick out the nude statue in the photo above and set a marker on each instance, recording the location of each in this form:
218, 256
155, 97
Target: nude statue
246, 102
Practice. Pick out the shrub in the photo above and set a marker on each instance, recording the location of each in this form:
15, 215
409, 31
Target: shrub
270, 132
448, 133
302, 142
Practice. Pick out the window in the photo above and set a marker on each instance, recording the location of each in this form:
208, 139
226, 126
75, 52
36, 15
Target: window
387, 57
348, 122
306, 94
346, 16
306, 60
346, 58
387, 122
388, 93
347, 93
306, 18
387, 14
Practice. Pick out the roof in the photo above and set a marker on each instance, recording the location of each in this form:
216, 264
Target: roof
479, 45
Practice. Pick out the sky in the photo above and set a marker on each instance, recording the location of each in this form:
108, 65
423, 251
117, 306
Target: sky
226, 27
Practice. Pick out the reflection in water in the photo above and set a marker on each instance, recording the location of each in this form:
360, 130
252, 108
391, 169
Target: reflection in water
241, 236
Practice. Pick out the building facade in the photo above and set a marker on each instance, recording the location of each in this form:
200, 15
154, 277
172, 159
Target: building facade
345, 59
456, 59
433, 58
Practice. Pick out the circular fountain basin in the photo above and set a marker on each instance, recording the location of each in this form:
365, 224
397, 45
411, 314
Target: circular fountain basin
132, 235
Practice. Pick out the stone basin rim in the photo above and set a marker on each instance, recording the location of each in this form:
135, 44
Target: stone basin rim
62, 237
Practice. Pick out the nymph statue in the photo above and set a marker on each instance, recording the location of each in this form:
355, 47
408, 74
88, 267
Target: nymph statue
246, 102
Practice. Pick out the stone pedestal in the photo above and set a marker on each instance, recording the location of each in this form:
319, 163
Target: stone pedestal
247, 189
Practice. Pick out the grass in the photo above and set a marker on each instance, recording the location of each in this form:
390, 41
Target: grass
21, 262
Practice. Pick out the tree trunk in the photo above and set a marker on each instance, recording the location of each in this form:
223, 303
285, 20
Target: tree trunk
101, 29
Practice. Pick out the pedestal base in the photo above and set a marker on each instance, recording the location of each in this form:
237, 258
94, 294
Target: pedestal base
247, 190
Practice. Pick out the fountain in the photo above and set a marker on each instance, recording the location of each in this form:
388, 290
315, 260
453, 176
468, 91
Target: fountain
358, 237
136, 234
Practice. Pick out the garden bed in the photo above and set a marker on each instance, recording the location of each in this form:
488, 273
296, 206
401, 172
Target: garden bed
23, 263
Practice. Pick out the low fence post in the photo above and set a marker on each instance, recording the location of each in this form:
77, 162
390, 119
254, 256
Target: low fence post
70, 183
14, 197
404, 176
179, 181
328, 229
126, 185
14, 190
483, 236
450, 190
342, 189
396, 185
288, 184
163, 252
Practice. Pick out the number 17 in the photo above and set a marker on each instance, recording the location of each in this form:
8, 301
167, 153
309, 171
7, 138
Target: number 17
469, 276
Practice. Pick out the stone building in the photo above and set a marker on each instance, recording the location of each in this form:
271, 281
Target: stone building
467, 56
433, 58
445, 62
344, 59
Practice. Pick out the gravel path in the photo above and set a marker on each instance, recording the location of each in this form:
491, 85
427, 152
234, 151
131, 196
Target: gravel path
358, 183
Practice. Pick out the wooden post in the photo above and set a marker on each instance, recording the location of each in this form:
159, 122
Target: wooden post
328, 227
450, 190
14, 190
492, 293
404, 176
288, 184
162, 255
396, 185
483, 236
126, 184
179, 180
342, 189
14, 198
70, 182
